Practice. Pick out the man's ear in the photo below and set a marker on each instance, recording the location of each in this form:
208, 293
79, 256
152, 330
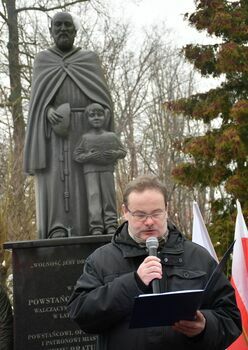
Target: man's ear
124, 211
167, 208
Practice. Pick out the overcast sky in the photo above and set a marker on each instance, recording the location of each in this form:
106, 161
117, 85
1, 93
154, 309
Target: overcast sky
171, 12
147, 12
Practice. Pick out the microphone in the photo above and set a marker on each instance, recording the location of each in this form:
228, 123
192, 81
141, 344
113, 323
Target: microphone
152, 246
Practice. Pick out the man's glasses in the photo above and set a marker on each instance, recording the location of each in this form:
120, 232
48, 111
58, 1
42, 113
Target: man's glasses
142, 217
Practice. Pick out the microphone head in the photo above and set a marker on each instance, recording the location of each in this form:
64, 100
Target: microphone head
152, 243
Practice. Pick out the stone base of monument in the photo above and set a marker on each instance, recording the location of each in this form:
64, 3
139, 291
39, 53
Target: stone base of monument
44, 274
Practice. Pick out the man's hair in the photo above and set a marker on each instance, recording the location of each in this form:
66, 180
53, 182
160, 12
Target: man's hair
142, 183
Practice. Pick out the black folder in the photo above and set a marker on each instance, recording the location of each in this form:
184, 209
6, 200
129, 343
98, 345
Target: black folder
164, 309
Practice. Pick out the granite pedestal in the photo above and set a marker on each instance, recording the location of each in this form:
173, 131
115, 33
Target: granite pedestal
44, 274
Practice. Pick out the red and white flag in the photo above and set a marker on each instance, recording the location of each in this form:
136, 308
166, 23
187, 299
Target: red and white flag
200, 233
239, 278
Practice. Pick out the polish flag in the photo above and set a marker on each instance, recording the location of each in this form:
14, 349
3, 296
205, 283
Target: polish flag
239, 278
200, 233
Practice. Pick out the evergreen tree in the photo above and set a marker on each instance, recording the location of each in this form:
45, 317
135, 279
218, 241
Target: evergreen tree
218, 159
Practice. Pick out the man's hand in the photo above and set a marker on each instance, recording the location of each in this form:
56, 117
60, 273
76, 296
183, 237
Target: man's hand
191, 328
150, 269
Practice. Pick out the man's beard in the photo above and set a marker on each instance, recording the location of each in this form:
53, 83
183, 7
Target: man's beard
64, 43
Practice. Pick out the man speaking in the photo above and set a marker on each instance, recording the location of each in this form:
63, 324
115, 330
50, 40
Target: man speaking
114, 274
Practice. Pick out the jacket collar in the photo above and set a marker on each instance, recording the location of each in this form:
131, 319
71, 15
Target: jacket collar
170, 254
126, 244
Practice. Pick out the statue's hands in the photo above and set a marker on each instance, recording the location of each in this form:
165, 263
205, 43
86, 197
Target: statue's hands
109, 155
88, 157
53, 117
113, 155
94, 155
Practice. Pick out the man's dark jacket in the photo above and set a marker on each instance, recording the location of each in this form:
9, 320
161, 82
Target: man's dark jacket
103, 298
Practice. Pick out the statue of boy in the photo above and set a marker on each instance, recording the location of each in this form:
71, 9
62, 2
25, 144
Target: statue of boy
98, 151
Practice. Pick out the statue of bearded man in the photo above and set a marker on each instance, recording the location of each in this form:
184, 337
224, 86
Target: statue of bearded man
66, 79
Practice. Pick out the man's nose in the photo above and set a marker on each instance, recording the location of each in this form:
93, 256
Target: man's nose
149, 220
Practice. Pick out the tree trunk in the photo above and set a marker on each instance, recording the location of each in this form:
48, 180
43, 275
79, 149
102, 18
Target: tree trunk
15, 190
15, 100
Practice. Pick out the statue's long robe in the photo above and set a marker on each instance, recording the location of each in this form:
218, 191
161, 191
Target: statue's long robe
76, 78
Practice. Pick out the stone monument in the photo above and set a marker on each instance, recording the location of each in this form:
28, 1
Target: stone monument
66, 79
44, 274
98, 151
70, 149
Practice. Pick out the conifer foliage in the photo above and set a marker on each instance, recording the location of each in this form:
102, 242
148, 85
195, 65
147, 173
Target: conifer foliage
218, 158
